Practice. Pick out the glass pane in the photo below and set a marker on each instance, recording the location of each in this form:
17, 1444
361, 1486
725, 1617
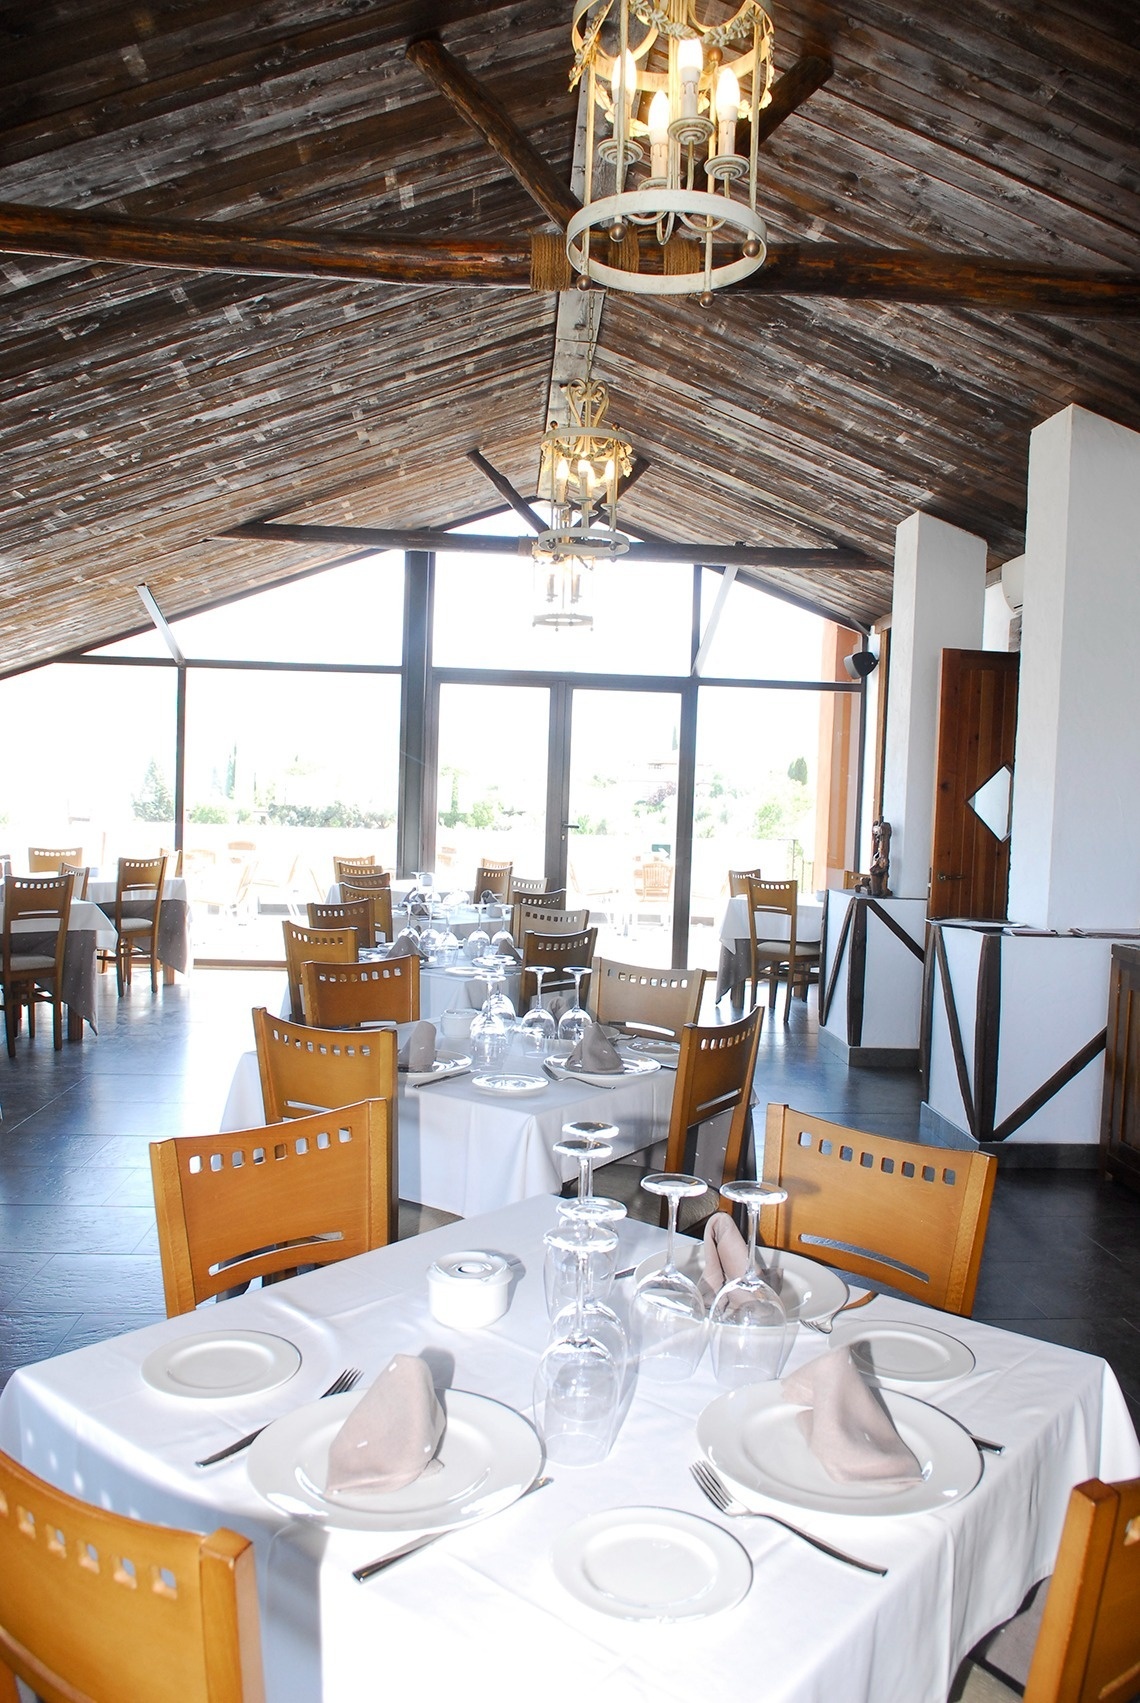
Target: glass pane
350, 614
150, 644
761, 638
99, 773
623, 797
492, 780
757, 763
485, 608
283, 772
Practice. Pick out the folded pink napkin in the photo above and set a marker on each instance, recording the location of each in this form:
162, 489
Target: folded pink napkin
848, 1430
595, 1051
506, 950
405, 945
392, 1433
725, 1252
418, 1051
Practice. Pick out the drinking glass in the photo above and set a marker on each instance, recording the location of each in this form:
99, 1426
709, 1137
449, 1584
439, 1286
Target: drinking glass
538, 1027
560, 1261
449, 950
478, 942
589, 1144
577, 1387
503, 941
498, 998
748, 1322
490, 1034
668, 1309
575, 1020
431, 940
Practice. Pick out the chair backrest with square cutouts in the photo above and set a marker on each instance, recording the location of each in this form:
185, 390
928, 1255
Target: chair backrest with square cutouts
304, 1069
558, 952
381, 900
1088, 1647
492, 877
715, 1068
360, 914
897, 1213
260, 1202
330, 945
343, 996
348, 868
527, 887
645, 1000
527, 918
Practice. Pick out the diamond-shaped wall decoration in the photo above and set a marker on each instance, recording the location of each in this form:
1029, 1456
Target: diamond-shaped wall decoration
993, 800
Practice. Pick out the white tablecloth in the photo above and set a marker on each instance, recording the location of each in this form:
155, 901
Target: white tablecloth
481, 1614
173, 924
88, 931
734, 957
465, 1151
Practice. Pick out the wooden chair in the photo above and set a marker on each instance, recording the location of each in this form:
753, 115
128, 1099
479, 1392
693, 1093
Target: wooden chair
533, 919
31, 978
306, 1070
852, 880
714, 1075
348, 868
375, 881
738, 880
645, 1001
653, 880
330, 945
263, 1202
96, 1607
559, 951
492, 877
894, 1212
43, 860
524, 888
552, 900
381, 897
173, 856
80, 875
777, 898
359, 914
345, 996
140, 882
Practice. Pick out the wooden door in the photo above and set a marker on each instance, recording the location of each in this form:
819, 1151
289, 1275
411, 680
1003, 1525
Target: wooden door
977, 720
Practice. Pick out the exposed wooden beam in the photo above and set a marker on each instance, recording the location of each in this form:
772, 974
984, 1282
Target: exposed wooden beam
791, 91
840, 271
507, 491
287, 253
483, 112
472, 543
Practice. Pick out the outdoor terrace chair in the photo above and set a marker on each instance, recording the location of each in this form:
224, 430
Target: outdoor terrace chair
558, 952
345, 996
31, 977
772, 956
304, 1069
330, 945
100, 1607
264, 1202
644, 1000
492, 877
43, 860
381, 897
359, 914
893, 1212
138, 889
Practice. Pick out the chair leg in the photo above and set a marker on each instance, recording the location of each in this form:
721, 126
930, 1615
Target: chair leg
119, 966
11, 1019
788, 995
57, 1019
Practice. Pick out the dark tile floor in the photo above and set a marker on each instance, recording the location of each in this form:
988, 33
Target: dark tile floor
78, 1258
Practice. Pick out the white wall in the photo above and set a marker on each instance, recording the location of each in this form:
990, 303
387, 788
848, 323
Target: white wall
1075, 842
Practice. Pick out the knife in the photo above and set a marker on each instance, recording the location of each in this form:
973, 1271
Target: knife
371, 1568
450, 1076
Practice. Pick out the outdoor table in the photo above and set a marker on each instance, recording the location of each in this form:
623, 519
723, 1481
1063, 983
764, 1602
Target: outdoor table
735, 963
482, 1612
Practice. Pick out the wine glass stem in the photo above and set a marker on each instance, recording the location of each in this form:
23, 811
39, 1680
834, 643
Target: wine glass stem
674, 1204
580, 1259
753, 1210
583, 1175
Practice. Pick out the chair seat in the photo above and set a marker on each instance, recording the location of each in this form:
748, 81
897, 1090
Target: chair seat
26, 963
136, 925
777, 948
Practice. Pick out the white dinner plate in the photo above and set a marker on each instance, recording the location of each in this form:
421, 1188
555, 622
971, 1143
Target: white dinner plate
753, 1437
631, 1068
441, 1067
220, 1363
903, 1353
511, 1084
808, 1289
669, 1051
488, 1457
652, 1564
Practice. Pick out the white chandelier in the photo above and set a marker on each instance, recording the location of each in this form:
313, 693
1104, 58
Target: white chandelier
685, 88
583, 464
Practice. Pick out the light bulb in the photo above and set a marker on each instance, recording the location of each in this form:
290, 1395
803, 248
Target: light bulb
621, 116
727, 110
690, 64
659, 134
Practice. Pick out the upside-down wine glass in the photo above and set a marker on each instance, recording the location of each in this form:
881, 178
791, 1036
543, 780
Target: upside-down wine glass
503, 941
748, 1321
490, 1033
478, 942
498, 997
668, 1308
575, 1020
589, 1144
577, 1387
538, 1028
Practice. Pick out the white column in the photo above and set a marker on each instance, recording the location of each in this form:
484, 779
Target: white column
1075, 842
940, 588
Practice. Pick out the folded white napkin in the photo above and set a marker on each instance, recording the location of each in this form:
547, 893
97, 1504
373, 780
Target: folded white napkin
391, 1436
848, 1429
595, 1052
418, 1051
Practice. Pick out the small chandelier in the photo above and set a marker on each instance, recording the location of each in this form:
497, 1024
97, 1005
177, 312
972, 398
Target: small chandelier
583, 464
686, 89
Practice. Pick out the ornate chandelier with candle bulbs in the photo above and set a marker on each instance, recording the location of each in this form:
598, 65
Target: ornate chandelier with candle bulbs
583, 463
670, 102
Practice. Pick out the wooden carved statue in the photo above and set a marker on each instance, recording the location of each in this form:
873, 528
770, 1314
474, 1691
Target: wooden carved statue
880, 859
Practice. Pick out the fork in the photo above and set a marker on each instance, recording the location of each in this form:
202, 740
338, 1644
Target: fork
825, 1326
347, 1380
714, 1487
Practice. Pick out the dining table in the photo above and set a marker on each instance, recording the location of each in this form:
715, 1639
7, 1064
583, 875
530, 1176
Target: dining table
173, 922
734, 967
618, 1581
89, 931
467, 1148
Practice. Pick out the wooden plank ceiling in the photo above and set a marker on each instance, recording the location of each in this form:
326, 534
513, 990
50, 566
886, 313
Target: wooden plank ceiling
147, 411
